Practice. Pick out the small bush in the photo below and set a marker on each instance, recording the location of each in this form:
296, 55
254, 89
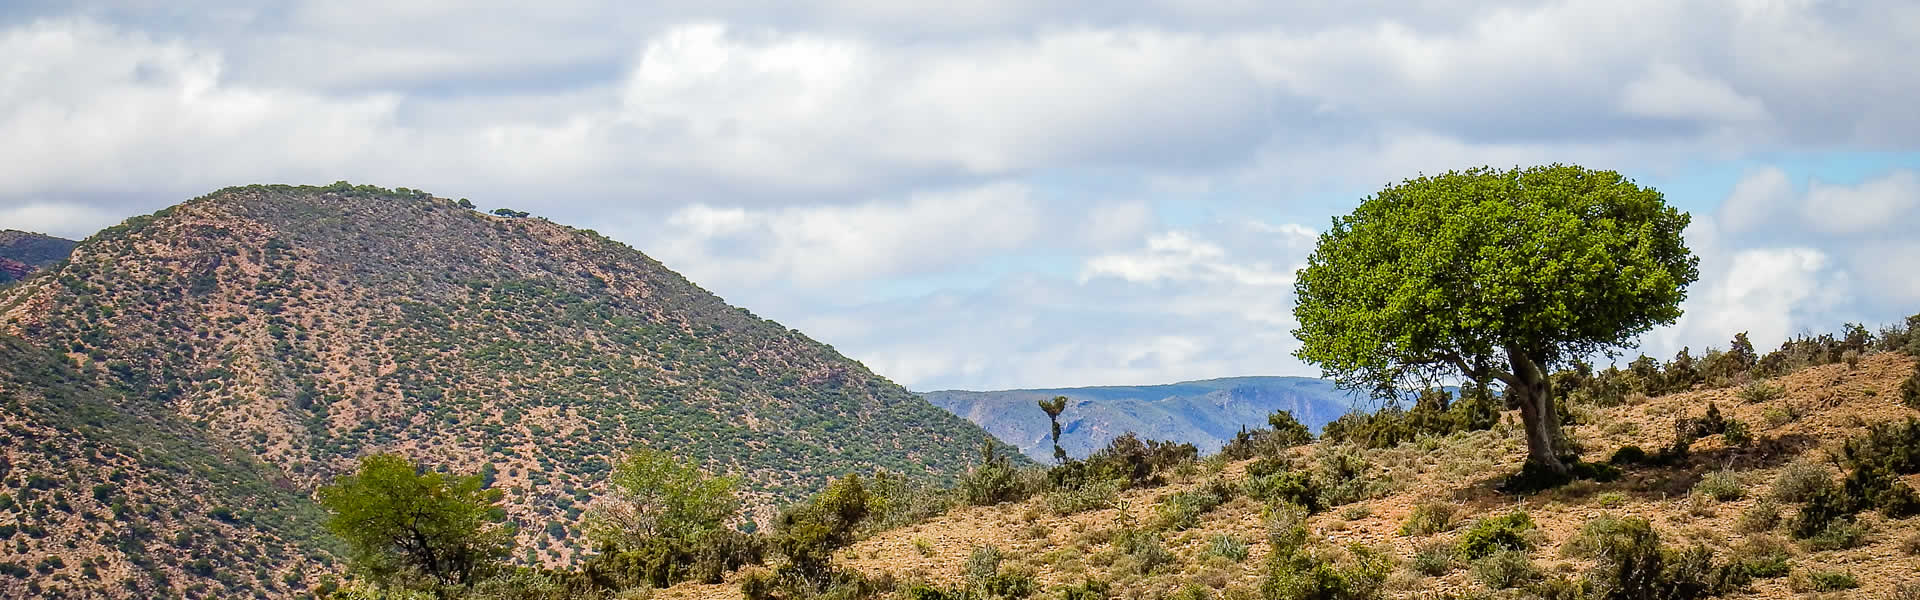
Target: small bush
1593, 537
1145, 548
1492, 534
1737, 433
1801, 480
1182, 510
1722, 485
1429, 518
1505, 569
1228, 547
1433, 558
1839, 535
1824, 581
1631, 563
1285, 487
1091, 495
1628, 455
1764, 515
994, 480
1910, 389
1764, 557
1760, 391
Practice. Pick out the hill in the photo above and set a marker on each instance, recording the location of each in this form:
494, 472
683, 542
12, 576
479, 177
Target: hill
1396, 520
1204, 413
22, 253
304, 326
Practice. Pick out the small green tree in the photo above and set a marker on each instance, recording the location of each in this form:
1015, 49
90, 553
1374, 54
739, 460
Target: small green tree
657, 496
1053, 408
1492, 276
1287, 431
405, 523
810, 533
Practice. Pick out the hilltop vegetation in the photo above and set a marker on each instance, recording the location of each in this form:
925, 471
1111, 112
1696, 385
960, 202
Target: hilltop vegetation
304, 327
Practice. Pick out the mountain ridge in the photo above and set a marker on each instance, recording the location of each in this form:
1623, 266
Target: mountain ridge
1205, 412
305, 326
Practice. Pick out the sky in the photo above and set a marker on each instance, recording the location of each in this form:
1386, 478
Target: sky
1000, 193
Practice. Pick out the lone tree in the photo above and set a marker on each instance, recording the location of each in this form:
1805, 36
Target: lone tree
1492, 275
405, 524
1053, 408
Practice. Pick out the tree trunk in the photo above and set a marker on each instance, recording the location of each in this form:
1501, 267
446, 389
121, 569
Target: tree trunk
1534, 393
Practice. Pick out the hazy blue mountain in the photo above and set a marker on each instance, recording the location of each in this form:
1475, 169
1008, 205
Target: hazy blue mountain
1204, 413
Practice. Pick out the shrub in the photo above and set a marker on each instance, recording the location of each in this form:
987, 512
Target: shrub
1910, 389
1286, 487
1429, 518
1760, 391
1720, 485
1593, 537
1764, 515
1826, 507
1825, 581
1145, 548
1839, 535
1434, 558
1764, 557
985, 578
1492, 534
1228, 547
994, 480
1182, 510
1628, 455
810, 533
1090, 495
1344, 476
1505, 569
1087, 589
1801, 480
1630, 563
1737, 433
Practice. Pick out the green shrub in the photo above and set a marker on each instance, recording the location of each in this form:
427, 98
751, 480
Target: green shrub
986, 579
1087, 589
1724, 486
1910, 389
1505, 569
1145, 548
1286, 487
1824, 508
1428, 518
1760, 390
1628, 455
1826, 581
1182, 510
994, 480
1434, 558
1228, 547
1593, 537
1839, 535
1630, 563
1737, 433
1091, 495
1492, 534
1801, 480
1764, 557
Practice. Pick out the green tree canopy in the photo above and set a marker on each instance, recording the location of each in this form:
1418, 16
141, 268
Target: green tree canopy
406, 524
1492, 275
658, 496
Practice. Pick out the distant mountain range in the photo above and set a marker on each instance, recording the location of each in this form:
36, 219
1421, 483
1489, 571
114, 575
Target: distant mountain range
1205, 413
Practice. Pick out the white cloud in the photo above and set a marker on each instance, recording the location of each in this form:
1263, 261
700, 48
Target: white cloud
72, 221
1669, 92
1759, 198
816, 246
1880, 204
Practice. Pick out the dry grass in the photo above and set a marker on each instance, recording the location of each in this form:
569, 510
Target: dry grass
1461, 471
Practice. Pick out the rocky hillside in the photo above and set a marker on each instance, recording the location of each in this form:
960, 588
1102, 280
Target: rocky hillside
22, 253
1203, 413
305, 326
1427, 518
100, 499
